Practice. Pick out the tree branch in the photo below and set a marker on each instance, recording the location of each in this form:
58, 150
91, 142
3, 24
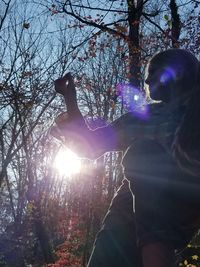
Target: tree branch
102, 27
5, 14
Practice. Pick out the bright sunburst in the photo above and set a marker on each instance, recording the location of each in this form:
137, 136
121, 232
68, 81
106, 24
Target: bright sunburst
67, 162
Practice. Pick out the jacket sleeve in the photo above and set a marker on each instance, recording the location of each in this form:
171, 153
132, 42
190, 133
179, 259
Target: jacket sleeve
113, 137
117, 136
91, 144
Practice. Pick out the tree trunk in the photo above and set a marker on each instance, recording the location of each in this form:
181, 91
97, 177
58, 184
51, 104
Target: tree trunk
176, 24
42, 235
134, 15
40, 230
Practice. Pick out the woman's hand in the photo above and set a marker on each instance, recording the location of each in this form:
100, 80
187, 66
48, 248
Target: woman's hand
64, 84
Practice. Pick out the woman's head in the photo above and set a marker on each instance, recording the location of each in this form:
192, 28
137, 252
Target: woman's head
172, 74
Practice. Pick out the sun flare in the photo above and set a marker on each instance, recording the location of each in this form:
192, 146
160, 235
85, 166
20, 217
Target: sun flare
67, 162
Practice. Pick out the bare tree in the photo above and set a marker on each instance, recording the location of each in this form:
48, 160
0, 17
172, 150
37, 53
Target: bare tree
30, 63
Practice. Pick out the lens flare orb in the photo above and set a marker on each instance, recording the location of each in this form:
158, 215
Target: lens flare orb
169, 74
134, 100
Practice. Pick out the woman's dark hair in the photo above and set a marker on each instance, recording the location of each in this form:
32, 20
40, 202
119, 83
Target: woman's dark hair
183, 68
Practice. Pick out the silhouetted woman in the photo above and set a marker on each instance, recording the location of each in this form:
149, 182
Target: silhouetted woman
161, 165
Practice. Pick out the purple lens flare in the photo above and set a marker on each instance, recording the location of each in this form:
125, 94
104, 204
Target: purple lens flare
134, 100
169, 74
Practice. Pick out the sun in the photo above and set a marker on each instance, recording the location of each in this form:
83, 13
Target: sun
67, 162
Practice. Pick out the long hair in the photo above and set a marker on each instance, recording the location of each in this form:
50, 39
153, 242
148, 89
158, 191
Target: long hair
185, 71
188, 134
186, 146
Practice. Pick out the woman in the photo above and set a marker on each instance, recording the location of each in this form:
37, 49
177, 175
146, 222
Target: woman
161, 166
